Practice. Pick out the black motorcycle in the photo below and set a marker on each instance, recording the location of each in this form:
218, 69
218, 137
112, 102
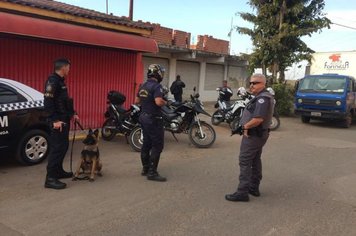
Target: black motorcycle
182, 118
119, 120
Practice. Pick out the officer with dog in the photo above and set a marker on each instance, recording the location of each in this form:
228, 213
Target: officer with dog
59, 107
151, 97
254, 126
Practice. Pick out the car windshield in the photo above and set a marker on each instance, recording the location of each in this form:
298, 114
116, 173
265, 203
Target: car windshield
323, 84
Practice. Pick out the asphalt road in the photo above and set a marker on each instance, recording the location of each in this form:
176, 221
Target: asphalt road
308, 188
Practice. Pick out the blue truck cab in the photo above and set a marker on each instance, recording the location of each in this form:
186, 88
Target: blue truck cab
326, 97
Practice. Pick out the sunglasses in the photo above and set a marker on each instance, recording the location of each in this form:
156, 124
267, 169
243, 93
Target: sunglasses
254, 82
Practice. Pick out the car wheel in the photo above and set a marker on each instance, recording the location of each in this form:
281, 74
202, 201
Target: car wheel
33, 147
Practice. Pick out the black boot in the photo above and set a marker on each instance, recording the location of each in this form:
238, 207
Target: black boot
54, 183
237, 197
145, 160
152, 172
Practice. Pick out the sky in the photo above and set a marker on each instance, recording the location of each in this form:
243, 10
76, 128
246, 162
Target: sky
214, 17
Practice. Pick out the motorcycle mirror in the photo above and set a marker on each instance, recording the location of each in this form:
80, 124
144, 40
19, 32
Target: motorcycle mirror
197, 95
194, 89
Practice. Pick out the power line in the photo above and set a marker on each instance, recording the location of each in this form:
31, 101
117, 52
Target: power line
345, 26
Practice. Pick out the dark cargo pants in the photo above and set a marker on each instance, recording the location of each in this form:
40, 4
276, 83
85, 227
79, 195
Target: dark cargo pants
250, 162
153, 140
59, 143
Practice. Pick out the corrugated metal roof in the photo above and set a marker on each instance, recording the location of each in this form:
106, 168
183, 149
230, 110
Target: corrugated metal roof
59, 7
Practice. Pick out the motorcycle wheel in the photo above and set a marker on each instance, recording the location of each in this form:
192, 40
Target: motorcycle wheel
275, 123
235, 123
108, 133
217, 117
136, 139
202, 140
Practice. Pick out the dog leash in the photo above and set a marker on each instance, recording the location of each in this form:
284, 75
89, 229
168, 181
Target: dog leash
71, 151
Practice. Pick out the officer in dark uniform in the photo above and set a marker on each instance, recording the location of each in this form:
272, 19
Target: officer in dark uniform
254, 127
151, 98
227, 92
60, 111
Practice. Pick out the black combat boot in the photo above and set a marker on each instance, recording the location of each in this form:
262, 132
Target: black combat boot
54, 183
237, 197
152, 172
145, 160
254, 192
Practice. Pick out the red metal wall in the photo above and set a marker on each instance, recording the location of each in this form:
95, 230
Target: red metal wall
94, 71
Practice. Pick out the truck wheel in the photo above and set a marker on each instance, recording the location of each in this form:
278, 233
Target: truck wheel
305, 119
33, 147
346, 123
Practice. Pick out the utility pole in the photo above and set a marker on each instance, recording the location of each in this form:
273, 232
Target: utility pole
230, 34
107, 6
131, 10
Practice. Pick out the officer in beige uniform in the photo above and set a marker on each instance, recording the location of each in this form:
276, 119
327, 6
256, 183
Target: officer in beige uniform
254, 123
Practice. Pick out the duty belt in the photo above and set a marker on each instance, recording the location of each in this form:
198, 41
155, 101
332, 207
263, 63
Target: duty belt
152, 115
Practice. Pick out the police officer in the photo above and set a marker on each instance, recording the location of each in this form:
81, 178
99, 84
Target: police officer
60, 110
151, 97
255, 122
227, 91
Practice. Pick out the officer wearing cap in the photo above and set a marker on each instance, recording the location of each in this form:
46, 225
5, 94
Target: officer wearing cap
255, 123
59, 107
151, 98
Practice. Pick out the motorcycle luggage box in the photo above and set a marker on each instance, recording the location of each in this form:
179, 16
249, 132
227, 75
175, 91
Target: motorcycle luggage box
116, 97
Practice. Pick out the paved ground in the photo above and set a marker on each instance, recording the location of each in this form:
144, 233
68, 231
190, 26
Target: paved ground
308, 189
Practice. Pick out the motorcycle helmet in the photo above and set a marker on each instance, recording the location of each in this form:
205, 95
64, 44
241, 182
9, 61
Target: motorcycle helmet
241, 91
155, 71
270, 90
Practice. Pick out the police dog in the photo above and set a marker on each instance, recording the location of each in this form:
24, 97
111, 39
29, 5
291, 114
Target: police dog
90, 161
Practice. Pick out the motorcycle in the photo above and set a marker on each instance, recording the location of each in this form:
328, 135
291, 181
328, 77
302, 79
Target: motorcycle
182, 118
246, 97
227, 111
118, 119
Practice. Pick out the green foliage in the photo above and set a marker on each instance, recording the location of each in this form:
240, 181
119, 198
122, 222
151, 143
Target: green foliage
284, 95
278, 28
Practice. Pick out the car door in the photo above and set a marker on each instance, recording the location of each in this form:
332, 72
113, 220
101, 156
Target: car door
12, 116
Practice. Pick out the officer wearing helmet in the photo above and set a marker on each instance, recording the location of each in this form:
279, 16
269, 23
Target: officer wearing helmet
151, 97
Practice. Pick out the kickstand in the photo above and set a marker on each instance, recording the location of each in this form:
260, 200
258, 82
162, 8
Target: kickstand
127, 140
174, 136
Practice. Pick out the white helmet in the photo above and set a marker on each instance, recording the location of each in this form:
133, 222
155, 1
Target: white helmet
241, 91
270, 90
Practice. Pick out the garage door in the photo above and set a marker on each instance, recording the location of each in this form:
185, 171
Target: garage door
189, 72
237, 76
156, 60
214, 76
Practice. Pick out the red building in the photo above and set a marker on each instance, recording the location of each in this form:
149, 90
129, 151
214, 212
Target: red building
105, 51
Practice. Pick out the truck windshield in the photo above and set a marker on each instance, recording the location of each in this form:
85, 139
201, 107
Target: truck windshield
323, 84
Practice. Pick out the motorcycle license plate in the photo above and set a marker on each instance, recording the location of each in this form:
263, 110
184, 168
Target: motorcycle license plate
318, 114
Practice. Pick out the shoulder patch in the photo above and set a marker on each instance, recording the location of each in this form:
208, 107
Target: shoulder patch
261, 100
49, 88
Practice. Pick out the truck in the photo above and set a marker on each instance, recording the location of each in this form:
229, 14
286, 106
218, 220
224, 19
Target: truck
328, 90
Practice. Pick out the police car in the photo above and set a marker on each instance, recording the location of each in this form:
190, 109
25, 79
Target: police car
24, 132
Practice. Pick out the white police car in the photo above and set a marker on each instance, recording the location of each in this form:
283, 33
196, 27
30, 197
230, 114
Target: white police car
24, 132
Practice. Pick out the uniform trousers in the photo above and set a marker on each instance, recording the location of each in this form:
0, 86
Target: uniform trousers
58, 149
250, 162
153, 140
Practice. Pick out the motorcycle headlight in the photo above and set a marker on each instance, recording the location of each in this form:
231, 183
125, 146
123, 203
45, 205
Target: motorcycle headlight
338, 103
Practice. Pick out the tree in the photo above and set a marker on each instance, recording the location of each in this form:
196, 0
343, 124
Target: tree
278, 28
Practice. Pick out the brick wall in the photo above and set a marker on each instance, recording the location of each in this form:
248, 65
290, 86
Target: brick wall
170, 37
181, 39
210, 44
162, 35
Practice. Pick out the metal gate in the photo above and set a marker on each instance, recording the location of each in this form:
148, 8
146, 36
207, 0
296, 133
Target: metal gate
94, 71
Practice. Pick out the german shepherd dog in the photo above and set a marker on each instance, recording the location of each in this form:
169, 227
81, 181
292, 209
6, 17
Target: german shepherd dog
90, 161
